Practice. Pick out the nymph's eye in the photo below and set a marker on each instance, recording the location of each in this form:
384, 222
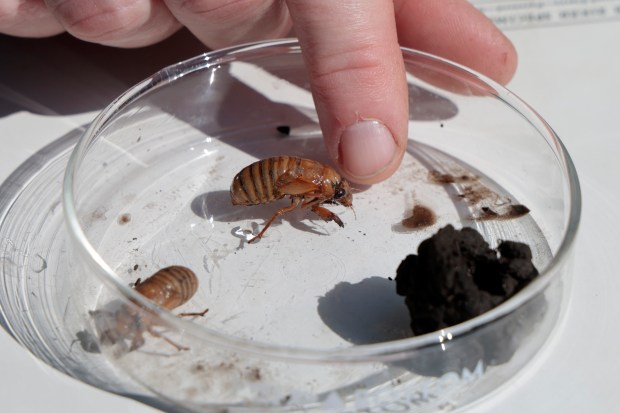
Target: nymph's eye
340, 193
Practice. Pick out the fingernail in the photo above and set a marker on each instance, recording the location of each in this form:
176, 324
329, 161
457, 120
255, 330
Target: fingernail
366, 148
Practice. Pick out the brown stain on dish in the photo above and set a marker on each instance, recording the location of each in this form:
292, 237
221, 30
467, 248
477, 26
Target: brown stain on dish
439, 178
99, 214
479, 196
474, 194
421, 217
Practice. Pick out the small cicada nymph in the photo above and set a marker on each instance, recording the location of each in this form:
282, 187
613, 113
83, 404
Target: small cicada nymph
169, 288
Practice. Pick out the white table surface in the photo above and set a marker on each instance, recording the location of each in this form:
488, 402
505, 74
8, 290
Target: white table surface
570, 73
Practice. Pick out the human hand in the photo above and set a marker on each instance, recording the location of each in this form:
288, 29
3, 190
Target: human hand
351, 49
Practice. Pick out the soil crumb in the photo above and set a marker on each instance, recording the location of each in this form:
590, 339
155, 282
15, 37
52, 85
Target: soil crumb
124, 219
509, 212
284, 130
421, 217
456, 276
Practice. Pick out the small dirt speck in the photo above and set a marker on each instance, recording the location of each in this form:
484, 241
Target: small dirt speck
198, 368
284, 130
225, 366
124, 219
254, 374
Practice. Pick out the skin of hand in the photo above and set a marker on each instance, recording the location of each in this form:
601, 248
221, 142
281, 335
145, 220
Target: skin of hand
350, 47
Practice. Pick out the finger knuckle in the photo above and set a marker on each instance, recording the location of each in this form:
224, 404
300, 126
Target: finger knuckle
222, 23
99, 22
224, 10
362, 64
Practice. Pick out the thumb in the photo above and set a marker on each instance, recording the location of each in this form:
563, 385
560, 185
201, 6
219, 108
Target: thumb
358, 82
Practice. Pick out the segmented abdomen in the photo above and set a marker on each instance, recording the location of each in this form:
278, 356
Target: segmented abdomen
169, 287
256, 183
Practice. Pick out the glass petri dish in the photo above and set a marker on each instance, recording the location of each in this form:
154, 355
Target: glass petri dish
308, 318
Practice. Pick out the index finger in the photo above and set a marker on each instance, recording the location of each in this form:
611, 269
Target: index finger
358, 82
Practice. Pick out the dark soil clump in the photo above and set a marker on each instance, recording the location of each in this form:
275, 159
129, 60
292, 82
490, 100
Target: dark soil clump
456, 276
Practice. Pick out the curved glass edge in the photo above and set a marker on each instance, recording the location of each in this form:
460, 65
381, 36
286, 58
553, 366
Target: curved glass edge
10, 190
389, 351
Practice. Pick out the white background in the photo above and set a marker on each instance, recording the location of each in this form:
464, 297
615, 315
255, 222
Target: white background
568, 72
